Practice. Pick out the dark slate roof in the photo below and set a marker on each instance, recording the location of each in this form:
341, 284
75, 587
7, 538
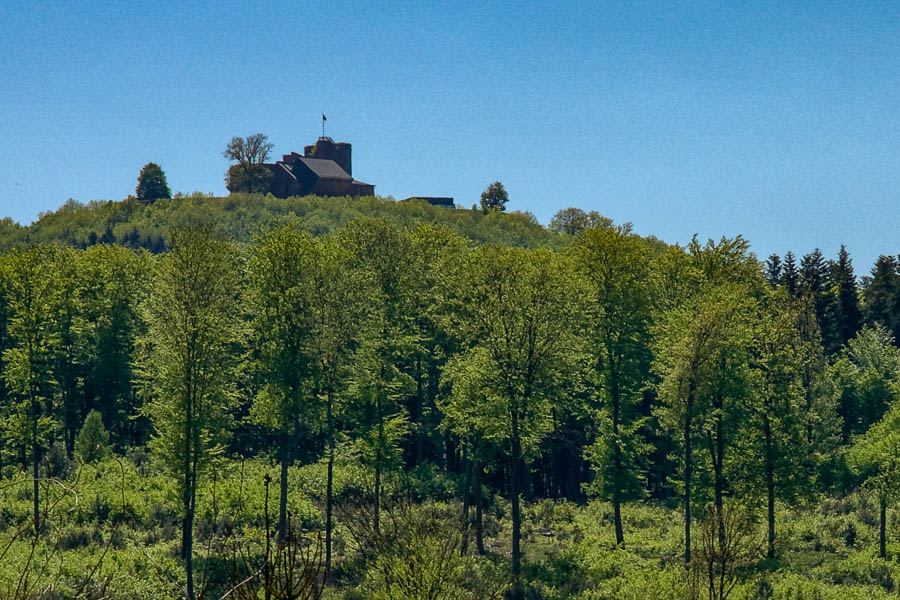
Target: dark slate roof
325, 169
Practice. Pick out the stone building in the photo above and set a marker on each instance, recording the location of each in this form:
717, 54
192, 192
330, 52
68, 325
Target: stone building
325, 169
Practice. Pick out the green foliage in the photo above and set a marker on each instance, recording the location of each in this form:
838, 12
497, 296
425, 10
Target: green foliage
494, 198
614, 264
152, 184
571, 221
92, 443
248, 179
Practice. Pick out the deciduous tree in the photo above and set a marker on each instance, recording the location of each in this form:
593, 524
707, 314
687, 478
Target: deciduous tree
187, 369
517, 317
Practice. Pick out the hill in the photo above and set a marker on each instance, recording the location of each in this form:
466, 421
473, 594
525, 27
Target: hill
137, 225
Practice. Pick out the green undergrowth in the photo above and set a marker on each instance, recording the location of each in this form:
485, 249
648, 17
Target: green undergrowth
113, 529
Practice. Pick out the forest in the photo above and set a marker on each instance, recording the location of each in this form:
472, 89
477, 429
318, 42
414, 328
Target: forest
362, 399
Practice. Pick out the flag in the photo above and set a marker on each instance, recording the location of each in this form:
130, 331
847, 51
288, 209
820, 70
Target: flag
323, 117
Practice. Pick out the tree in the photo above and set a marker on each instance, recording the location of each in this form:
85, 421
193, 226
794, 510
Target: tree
92, 442
152, 184
250, 174
340, 323
279, 298
774, 449
494, 198
34, 302
252, 150
114, 287
571, 221
436, 257
790, 278
814, 283
516, 315
881, 296
700, 355
614, 263
865, 372
849, 315
773, 270
876, 458
255, 179
187, 368
382, 380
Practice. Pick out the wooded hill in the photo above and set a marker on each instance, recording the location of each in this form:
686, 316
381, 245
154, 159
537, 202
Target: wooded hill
391, 410
136, 224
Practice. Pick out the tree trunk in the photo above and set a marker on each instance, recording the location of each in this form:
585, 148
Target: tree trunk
617, 464
882, 529
464, 545
479, 503
719, 498
516, 512
770, 485
283, 488
688, 471
378, 460
329, 486
35, 467
420, 421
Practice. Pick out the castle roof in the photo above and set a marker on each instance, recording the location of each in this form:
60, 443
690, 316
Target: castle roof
325, 169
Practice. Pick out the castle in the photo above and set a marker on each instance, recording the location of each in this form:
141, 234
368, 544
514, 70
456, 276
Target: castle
325, 169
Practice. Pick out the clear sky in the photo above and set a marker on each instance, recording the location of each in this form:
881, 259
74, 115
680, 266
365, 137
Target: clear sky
779, 121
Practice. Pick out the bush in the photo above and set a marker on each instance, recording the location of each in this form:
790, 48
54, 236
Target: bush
92, 442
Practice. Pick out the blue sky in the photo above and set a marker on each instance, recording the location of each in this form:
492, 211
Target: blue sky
778, 121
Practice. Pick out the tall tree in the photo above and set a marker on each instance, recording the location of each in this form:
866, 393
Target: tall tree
849, 315
773, 270
436, 256
774, 448
278, 294
32, 288
340, 323
880, 294
517, 316
700, 355
700, 360
572, 221
152, 184
494, 198
790, 277
114, 289
380, 250
187, 369
814, 283
876, 458
250, 174
614, 263
865, 372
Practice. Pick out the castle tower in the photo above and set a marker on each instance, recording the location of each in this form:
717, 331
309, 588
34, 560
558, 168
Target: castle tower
326, 148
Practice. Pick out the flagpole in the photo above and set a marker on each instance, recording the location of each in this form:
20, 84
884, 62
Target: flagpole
323, 124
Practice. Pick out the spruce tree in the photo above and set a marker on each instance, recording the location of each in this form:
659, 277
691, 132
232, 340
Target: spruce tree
773, 270
790, 278
849, 315
814, 285
880, 294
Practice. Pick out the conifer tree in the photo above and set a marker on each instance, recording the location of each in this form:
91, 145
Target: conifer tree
880, 294
773, 270
814, 282
152, 184
790, 278
843, 281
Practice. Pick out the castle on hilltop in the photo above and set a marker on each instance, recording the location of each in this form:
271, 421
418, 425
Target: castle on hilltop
325, 169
